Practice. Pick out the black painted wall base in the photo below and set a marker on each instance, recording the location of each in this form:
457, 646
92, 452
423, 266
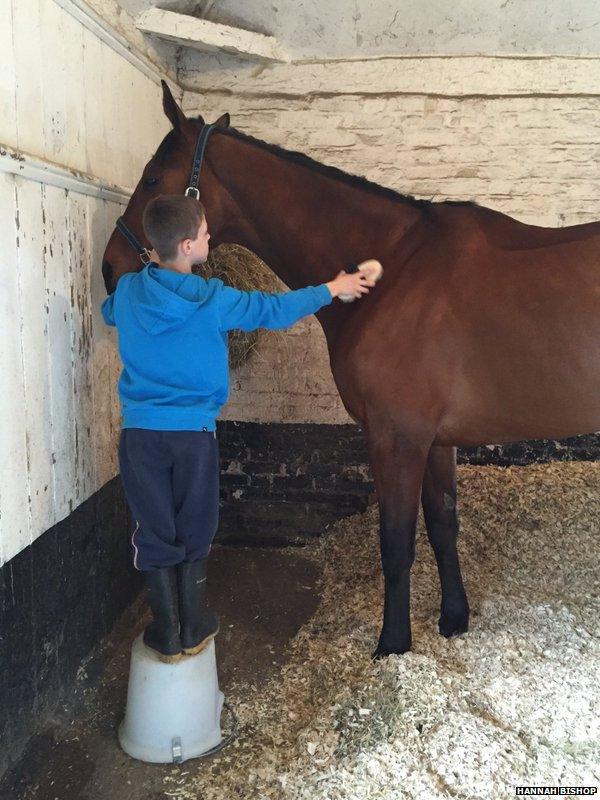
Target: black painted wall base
577, 448
281, 485
58, 598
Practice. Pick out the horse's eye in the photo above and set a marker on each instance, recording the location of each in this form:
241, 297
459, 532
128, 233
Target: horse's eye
151, 181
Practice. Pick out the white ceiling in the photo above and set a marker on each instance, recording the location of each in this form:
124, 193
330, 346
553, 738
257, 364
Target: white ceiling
358, 28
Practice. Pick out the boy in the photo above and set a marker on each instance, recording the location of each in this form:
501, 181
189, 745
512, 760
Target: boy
173, 344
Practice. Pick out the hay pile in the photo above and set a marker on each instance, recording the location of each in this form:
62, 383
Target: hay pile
514, 701
240, 268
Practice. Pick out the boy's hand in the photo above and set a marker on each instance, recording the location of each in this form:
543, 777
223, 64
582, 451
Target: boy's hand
355, 284
351, 285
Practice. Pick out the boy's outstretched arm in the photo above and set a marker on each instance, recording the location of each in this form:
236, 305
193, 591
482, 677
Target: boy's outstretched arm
251, 310
248, 311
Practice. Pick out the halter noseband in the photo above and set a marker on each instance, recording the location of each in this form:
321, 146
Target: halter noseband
191, 191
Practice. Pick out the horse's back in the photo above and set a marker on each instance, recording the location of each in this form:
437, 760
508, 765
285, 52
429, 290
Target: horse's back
504, 232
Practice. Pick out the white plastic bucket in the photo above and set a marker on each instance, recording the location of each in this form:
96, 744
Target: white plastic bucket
173, 710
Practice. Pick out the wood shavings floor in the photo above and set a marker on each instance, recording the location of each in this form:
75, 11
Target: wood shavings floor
513, 702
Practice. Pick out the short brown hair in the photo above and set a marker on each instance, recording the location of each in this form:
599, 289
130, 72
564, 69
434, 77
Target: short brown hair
170, 218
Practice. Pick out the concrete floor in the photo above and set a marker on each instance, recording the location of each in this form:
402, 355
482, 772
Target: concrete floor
262, 597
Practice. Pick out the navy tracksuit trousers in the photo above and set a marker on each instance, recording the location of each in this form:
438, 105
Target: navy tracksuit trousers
171, 482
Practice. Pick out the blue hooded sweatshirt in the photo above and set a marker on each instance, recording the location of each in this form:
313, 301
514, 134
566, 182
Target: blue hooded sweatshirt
173, 341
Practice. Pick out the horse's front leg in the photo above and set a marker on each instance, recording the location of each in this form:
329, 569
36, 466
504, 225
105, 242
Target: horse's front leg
398, 466
441, 520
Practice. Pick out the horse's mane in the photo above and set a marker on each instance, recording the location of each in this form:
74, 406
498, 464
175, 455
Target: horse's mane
333, 172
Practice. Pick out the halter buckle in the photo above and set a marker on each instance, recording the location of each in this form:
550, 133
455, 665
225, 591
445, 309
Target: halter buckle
145, 256
191, 191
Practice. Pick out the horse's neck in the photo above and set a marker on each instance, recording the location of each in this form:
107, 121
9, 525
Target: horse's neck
305, 225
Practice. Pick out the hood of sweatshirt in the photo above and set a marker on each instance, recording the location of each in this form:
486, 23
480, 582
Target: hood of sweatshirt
163, 299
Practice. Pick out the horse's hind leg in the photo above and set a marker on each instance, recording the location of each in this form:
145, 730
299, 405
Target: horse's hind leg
438, 496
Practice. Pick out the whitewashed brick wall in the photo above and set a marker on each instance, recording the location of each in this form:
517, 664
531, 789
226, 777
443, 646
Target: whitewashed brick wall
520, 135
287, 380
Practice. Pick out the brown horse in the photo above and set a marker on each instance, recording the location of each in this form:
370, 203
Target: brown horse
482, 330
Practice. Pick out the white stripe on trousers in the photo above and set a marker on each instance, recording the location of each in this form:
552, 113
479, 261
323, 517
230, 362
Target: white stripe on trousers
137, 525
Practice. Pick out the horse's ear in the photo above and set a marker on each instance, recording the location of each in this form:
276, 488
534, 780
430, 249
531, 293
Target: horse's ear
223, 120
171, 109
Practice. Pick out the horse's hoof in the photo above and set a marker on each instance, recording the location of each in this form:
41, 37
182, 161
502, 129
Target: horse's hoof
453, 624
383, 652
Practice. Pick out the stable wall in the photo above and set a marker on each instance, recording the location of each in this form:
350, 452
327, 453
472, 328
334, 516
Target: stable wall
71, 150
80, 114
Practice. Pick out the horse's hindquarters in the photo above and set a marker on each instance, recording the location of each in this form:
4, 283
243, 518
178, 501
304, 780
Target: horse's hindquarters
530, 345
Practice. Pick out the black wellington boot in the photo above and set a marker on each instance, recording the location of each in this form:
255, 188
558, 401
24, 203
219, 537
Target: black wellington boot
198, 626
162, 635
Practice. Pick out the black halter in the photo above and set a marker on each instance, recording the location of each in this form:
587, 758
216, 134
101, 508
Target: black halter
191, 191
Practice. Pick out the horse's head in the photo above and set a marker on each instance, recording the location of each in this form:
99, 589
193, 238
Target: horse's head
167, 172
